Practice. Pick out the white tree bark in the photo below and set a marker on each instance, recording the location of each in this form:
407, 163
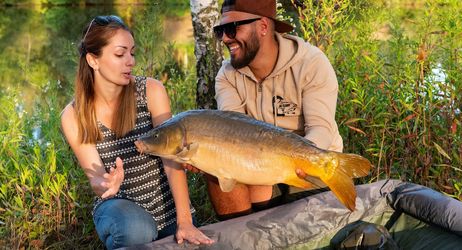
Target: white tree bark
208, 50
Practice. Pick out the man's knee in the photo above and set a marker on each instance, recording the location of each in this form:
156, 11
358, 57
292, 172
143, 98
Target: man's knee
242, 200
121, 223
228, 204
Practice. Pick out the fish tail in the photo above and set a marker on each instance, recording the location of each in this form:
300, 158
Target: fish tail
339, 174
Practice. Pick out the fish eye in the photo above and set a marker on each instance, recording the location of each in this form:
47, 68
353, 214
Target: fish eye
156, 135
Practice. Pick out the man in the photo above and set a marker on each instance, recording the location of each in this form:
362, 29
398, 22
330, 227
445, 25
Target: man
276, 78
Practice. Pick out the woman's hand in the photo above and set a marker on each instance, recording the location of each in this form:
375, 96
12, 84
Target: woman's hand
112, 180
187, 231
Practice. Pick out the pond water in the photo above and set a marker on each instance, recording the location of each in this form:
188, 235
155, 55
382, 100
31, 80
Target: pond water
38, 45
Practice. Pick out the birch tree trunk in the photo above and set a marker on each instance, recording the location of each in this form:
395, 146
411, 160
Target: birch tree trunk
207, 49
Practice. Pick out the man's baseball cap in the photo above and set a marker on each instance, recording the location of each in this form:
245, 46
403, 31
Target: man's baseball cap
266, 8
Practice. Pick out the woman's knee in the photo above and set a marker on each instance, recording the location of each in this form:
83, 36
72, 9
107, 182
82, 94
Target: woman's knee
121, 222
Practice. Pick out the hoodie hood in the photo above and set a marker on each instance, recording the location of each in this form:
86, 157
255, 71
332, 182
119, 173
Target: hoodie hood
289, 54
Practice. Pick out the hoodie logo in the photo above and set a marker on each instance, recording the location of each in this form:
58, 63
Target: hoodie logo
283, 108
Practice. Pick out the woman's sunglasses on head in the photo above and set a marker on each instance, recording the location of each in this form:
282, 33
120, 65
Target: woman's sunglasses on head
230, 28
103, 21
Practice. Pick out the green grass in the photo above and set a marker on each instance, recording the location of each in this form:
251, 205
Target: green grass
43, 192
393, 109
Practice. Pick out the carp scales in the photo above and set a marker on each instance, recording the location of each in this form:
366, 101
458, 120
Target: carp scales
236, 148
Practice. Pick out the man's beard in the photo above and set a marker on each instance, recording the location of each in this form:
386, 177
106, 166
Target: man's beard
252, 45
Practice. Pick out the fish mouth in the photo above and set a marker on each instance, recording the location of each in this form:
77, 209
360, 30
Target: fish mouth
140, 146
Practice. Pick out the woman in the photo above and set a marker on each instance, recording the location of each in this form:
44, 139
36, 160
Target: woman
140, 198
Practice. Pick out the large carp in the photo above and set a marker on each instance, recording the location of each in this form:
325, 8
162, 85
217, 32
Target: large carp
236, 148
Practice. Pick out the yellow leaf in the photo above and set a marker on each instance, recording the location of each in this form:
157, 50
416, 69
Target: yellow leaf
356, 129
353, 120
441, 151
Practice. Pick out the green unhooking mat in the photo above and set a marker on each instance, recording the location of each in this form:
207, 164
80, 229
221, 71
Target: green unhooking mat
389, 215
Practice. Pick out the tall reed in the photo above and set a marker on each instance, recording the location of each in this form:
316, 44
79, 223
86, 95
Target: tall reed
399, 74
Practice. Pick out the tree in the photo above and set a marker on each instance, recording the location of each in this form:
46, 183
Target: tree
208, 50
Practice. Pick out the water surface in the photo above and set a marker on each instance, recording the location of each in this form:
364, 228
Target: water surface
38, 45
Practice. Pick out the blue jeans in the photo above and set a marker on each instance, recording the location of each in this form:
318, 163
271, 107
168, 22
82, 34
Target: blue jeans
121, 223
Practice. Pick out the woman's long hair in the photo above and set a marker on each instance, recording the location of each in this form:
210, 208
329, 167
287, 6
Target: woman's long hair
96, 35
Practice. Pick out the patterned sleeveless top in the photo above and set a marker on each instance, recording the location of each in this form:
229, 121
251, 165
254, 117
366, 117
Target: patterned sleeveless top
145, 180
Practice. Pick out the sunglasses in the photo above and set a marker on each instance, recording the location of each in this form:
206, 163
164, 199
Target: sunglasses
230, 28
103, 21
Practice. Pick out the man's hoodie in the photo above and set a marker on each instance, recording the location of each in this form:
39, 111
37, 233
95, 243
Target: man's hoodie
300, 95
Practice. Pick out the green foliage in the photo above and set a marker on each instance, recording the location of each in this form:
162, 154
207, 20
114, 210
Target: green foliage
41, 192
180, 82
321, 21
399, 79
200, 200
171, 67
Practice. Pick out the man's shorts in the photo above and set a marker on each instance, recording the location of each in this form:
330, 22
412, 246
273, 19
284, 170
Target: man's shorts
283, 193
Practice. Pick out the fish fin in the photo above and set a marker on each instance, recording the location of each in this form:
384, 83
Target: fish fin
295, 181
315, 181
340, 181
343, 187
226, 185
187, 152
354, 165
